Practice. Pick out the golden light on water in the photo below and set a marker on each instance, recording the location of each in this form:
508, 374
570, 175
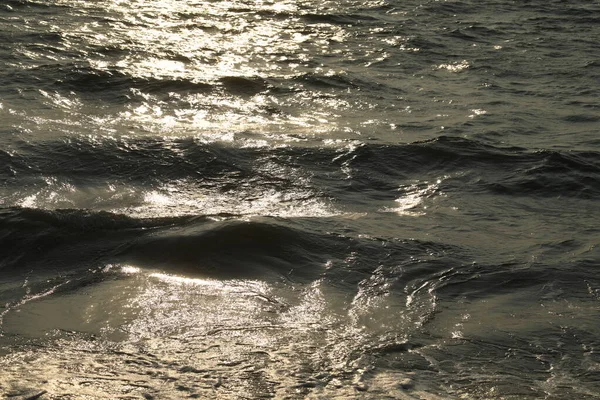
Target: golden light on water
236, 74
297, 199
411, 202
227, 72
172, 328
203, 43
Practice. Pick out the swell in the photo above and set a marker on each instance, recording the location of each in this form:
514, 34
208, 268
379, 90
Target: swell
32, 4
36, 38
455, 7
364, 168
64, 239
141, 160
336, 81
67, 242
340, 19
509, 170
117, 84
220, 246
235, 249
479, 281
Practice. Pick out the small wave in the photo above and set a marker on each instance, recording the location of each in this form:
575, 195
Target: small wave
88, 79
444, 153
479, 281
338, 19
32, 4
38, 38
223, 246
450, 8
189, 173
162, 177
139, 159
65, 239
206, 245
581, 118
19, 219
551, 173
234, 250
336, 81
507, 170
118, 84
243, 86
459, 34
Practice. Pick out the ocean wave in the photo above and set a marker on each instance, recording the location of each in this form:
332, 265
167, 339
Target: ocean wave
139, 159
253, 199
339, 172
118, 84
33, 4
195, 243
510, 170
64, 239
235, 250
31, 39
338, 19
223, 246
552, 173
336, 81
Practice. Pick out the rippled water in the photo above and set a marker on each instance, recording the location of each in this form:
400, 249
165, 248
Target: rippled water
299, 199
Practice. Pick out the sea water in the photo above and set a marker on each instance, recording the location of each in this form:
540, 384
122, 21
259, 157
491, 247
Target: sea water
299, 199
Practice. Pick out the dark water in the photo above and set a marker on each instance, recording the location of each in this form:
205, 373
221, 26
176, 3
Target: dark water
300, 199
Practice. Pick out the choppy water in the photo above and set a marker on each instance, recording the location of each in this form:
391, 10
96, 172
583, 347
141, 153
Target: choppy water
299, 199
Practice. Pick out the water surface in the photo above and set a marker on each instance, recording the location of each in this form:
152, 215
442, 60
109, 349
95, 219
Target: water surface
299, 199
